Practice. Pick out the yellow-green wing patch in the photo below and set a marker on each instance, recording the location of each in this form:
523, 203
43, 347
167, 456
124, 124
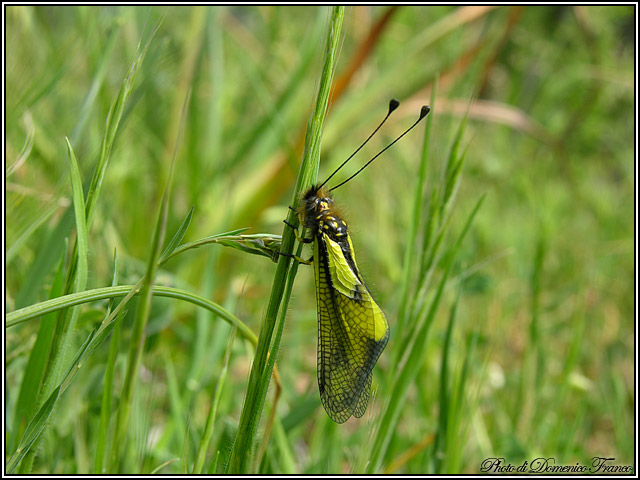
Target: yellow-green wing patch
363, 313
344, 279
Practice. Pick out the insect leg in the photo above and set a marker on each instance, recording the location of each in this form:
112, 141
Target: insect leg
299, 259
298, 237
290, 224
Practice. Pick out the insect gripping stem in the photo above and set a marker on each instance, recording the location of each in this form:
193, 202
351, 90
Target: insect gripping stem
352, 329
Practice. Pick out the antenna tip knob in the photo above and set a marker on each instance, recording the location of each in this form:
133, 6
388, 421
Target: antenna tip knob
424, 111
393, 104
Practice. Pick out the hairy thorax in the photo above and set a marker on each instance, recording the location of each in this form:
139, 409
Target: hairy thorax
320, 215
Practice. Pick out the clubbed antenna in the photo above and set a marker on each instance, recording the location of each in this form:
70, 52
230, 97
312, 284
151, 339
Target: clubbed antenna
393, 104
423, 113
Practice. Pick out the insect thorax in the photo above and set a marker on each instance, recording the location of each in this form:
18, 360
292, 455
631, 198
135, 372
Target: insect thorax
319, 214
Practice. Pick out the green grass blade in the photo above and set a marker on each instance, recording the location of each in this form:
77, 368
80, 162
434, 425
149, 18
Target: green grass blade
242, 457
93, 341
102, 441
33, 430
258, 132
442, 200
308, 54
63, 337
233, 235
103, 445
77, 273
458, 420
453, 170
286, 456
413, 361
213, 409
39, 421
96, 84
81, 221
177, 238
418, 201
435, 229
28, 232
533, 362
46, 258
444, 395
62, 340
103, 436
136, 346
55, 304
34, 372
265, 245
177, 411
111, 128
215, 47
271, 359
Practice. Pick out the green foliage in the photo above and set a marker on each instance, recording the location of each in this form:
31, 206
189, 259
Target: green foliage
499, 245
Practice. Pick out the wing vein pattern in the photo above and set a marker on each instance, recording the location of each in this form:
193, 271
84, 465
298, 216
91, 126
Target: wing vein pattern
352, 330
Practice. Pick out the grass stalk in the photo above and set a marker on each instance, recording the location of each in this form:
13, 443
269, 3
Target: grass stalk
34, 373
77, 272
242, 457
136, 346
62, 340
107, 390
213, 409
444, 394
409, 369
418, 201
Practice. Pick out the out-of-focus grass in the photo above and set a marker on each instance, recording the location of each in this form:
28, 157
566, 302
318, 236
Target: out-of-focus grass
530, 352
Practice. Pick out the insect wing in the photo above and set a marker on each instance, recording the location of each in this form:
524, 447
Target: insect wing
352, 330
361, 407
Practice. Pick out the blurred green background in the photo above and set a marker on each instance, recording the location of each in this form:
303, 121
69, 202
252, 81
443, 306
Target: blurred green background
546, 272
